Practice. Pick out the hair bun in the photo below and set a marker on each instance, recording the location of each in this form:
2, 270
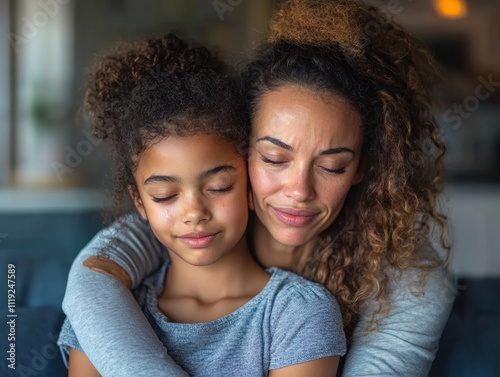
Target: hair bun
373, 43
322, 23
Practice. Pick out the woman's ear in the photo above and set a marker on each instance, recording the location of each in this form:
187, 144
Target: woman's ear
136, 198
362, 166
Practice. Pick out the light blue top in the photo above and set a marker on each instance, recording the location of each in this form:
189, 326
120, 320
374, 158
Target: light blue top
404, 345
291, 321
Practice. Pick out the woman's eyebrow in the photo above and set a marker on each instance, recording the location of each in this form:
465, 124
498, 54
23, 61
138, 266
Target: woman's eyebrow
173, 179
277, 142
337, 151
283, 145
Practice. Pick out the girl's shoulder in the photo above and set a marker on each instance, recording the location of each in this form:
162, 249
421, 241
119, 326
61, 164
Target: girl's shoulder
294, 282
290, 289
304, 316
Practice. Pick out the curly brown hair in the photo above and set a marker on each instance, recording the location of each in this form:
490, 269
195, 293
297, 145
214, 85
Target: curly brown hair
354, 51
154, 88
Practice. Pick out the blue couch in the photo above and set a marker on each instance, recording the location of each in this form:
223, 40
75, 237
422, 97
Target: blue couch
470, 345
42, 261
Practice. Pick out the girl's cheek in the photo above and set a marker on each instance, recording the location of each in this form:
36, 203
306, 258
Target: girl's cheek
166, 215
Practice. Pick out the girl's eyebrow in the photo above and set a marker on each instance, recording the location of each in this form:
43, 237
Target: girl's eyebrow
217, 170
173, 179
162, 179
283, 145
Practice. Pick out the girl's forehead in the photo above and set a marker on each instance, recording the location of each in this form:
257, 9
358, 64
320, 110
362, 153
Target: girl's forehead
189, 157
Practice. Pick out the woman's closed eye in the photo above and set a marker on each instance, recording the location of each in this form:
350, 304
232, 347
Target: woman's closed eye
334, 171
272, 162
280, 162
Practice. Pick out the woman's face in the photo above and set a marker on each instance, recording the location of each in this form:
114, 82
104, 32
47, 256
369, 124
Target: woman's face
304, 157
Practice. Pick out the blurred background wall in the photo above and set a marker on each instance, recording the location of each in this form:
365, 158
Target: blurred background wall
50, 164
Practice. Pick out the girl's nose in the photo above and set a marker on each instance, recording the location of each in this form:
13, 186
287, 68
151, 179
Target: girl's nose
196, 210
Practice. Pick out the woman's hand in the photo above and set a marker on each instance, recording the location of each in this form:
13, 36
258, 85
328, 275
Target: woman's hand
79, 365
325, 367
108, 267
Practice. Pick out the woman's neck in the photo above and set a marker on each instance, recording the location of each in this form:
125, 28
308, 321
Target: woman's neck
270, 252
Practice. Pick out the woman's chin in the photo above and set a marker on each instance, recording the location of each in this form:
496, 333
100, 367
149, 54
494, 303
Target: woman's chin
292, 237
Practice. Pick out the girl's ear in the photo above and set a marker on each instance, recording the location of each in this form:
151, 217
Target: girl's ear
136, 198
250, 199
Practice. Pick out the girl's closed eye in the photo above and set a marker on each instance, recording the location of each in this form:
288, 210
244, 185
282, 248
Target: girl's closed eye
167, 198
163, 199
221, 190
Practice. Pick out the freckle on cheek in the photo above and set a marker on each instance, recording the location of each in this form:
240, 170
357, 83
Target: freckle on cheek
166, 215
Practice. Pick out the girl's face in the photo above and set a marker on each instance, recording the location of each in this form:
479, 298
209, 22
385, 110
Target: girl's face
193, 192
304, 157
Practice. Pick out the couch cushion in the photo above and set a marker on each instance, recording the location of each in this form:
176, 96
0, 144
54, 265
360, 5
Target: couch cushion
470, 345
36, 352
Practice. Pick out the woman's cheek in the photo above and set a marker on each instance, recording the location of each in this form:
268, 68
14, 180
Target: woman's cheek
334, 195
263, 181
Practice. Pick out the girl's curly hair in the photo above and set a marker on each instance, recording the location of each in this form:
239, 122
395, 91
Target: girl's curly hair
354, 51
156, 88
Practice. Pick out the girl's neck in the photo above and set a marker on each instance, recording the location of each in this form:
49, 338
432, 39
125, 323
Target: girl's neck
270, 252
233, 276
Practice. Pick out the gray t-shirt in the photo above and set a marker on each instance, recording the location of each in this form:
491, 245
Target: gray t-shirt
291, 321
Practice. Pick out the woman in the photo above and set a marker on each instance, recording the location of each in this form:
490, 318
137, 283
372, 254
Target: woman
345, 166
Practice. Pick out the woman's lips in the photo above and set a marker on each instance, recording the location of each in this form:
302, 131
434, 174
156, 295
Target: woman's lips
294, 217
198, 239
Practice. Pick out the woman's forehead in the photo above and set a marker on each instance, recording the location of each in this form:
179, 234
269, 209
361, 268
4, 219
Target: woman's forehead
295, 115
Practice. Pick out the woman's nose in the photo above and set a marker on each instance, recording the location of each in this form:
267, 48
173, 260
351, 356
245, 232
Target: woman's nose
299, 185
195, 209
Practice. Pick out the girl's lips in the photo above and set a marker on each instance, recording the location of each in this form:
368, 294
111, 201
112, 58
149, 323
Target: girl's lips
294, 217
198, 239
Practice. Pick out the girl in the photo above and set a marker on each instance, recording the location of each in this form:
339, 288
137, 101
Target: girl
170, 113
345, 170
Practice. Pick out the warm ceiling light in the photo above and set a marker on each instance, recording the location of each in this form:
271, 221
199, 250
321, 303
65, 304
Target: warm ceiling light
451, 8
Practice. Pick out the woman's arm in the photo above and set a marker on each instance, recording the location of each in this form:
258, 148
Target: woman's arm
110, 326
132, 248
325, 367
407, 340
